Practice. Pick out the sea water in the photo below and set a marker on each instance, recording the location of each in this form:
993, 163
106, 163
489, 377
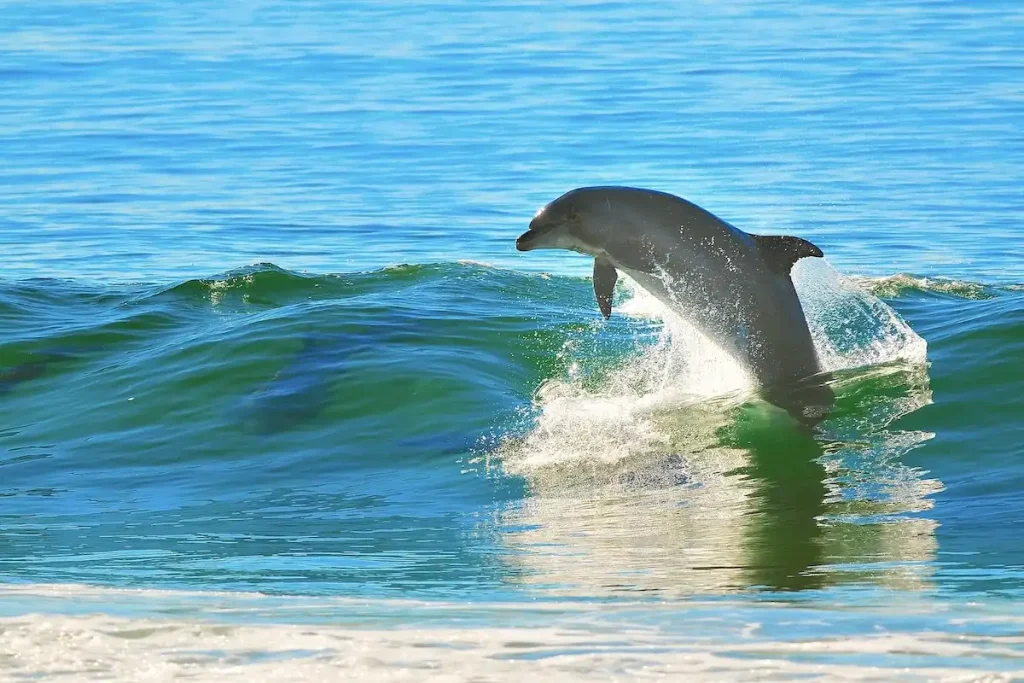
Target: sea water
279, 400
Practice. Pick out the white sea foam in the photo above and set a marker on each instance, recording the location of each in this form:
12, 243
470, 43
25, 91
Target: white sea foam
567, 642
893, 285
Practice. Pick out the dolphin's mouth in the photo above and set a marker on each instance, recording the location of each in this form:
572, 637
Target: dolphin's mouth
525, 241
538, 228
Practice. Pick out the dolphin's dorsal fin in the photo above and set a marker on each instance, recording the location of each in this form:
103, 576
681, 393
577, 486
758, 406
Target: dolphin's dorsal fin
780, 252
604, 284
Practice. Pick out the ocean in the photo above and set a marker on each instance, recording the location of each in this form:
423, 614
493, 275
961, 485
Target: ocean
279, 399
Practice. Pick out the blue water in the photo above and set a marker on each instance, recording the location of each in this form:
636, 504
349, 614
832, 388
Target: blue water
263, 329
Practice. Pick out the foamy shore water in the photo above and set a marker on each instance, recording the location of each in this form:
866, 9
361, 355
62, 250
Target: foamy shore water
566, 642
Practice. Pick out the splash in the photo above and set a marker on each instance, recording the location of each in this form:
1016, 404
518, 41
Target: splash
851, 327
682, 370
674, 391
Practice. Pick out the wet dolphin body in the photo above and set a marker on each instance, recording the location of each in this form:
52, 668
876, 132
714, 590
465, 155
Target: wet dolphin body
733, 285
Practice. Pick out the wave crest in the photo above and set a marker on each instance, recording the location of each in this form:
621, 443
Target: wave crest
901, 284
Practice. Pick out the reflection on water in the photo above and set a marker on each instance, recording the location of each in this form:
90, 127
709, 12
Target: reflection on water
300, 391
734, 498
37, 366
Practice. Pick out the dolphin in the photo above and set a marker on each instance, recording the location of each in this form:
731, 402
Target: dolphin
734, 286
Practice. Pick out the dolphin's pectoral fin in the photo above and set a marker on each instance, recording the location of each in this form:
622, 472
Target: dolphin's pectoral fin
780, 252
604, 284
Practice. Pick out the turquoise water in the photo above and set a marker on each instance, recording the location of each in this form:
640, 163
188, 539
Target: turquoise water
279, 399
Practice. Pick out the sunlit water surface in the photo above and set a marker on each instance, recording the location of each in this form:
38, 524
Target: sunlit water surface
280, 400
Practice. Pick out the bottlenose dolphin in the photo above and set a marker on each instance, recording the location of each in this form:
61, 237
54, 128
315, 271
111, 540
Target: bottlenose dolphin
734, 286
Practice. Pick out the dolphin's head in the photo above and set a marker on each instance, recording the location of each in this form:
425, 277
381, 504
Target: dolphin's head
559, 225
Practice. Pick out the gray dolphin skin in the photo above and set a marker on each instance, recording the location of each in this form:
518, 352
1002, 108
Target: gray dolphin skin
734, 286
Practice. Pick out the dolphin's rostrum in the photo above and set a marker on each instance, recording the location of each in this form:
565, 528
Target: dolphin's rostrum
733, 285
